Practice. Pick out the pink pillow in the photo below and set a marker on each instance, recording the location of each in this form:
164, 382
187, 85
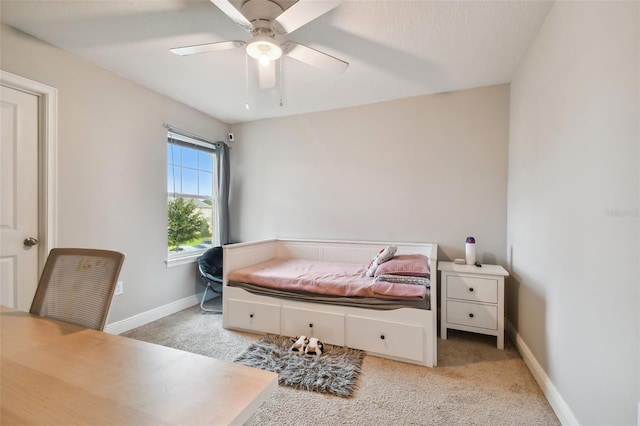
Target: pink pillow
415, 265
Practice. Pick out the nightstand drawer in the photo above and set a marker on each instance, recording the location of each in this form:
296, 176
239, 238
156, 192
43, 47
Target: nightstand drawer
472, 288
472, 315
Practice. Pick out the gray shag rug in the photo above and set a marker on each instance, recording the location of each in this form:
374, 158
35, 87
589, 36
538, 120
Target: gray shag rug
334, 372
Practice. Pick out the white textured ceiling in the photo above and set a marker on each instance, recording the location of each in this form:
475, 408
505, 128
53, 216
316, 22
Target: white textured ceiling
396, 49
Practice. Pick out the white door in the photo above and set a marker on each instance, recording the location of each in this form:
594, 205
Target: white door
18, 197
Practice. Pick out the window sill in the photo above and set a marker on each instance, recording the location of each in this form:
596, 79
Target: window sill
182, 260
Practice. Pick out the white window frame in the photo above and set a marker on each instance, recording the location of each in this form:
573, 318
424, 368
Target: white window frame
180, 138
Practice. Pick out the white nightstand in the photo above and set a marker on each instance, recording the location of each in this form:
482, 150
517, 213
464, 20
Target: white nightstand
472, 299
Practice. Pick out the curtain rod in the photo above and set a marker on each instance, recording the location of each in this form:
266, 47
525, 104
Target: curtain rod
189, 134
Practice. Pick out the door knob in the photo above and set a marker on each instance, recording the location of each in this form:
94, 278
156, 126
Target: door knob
30, 242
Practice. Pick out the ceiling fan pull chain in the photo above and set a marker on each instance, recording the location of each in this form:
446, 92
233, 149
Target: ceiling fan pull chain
246, 81
280, 82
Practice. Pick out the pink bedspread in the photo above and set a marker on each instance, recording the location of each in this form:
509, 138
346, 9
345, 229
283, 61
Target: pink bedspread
328, 278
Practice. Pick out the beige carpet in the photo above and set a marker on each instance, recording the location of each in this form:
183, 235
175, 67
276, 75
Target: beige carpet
474, 383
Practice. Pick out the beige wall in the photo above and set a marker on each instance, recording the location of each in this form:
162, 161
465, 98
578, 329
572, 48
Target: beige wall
573, 207
430, 168
112, 166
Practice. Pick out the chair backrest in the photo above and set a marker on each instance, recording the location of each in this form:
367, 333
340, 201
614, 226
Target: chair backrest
77, 286
210, 263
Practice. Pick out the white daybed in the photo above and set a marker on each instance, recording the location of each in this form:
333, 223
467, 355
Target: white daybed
404, 334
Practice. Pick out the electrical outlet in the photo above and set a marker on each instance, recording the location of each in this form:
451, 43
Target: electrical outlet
119, 288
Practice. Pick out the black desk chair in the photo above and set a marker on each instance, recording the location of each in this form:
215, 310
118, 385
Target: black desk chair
210, 267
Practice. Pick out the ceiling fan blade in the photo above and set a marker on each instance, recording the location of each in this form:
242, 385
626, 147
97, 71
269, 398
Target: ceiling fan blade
301, 13
314, 58
208, 47
233, 13
267, 74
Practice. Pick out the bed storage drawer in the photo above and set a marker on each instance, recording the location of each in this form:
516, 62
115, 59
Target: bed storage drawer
326, 326
251, 316
472, 314
385, 338
472, 288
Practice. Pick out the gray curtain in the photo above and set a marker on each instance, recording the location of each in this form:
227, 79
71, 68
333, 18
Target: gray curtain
223, 191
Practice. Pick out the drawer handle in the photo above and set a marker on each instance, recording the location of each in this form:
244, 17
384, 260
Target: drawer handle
470, 315
250, 315
471, 289
382, 336
311, 325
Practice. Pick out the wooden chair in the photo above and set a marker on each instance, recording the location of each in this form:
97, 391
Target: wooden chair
77, 286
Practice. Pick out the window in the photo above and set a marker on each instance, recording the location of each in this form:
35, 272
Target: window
192, 198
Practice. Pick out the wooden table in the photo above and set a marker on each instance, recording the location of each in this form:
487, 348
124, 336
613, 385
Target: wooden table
56, 373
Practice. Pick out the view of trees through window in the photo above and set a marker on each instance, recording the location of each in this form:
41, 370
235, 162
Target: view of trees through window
191, 199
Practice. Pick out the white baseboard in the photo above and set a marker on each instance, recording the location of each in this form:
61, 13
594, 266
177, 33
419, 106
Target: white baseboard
143, 318
559, 405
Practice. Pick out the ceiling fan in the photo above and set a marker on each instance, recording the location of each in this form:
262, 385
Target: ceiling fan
267, 21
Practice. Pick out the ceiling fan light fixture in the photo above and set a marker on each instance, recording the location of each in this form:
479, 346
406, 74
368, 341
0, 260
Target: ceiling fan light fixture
264, 49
